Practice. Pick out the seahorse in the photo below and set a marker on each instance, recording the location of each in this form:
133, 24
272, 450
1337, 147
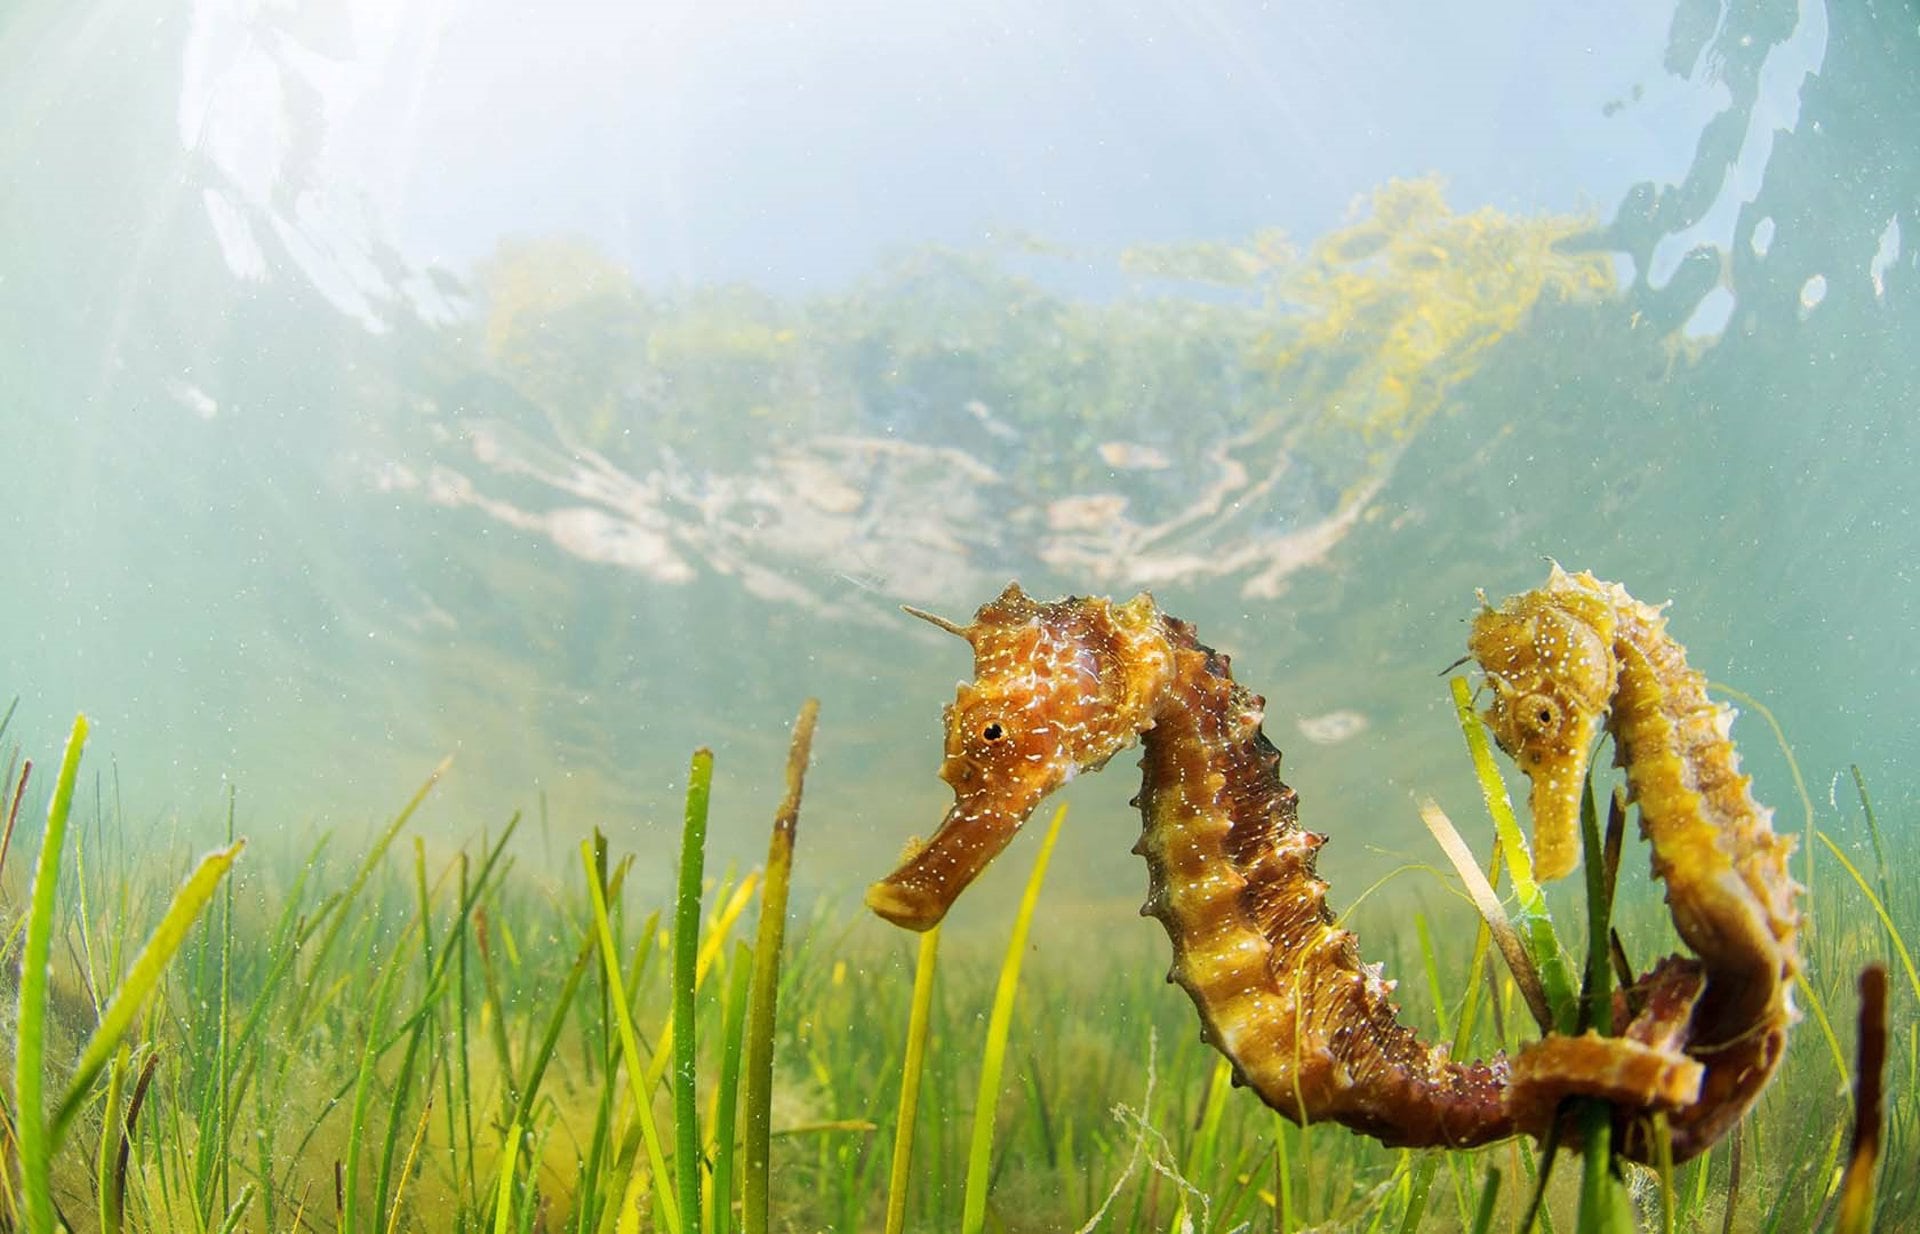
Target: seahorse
1281, 989
1564, 659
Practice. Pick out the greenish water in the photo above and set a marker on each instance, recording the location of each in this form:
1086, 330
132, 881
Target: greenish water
560, 393
323, 461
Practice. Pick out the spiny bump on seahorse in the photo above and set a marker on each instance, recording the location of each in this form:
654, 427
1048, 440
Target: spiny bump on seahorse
1061, 687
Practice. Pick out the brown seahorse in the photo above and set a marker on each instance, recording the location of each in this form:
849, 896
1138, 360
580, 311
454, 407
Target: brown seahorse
1062, 687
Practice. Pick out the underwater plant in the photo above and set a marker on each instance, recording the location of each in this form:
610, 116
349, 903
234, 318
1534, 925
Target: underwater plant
35, 1133
1280, 987
523, 1060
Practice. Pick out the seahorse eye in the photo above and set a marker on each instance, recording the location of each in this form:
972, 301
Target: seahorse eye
1541, 714
992, 730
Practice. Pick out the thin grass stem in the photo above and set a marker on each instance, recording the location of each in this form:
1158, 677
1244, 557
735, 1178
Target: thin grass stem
503, 1193
919, 1019
727, 1092
225, 1044
757, 1151
363, 1088
1513, 949
1489, 1201
1880, 910
973, 1214
406, 1165
686, 956
13, 811
105, 1197
1869, 1114
33, 1137
629, 1040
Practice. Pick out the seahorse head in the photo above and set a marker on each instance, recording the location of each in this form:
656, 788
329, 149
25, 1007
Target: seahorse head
1548, 655
1058, 689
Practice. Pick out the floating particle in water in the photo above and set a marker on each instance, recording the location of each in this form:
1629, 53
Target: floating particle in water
1885, 253
194, 399
995, 426
1333, 727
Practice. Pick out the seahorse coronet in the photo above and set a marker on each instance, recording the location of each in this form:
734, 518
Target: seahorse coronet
1280, 986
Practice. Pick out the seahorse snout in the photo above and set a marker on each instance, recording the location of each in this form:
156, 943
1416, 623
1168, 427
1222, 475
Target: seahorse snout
918, 894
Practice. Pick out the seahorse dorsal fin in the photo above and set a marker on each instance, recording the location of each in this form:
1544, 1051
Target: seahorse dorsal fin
935, 619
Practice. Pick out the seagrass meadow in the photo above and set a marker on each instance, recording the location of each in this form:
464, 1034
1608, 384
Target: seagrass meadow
389, 1039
